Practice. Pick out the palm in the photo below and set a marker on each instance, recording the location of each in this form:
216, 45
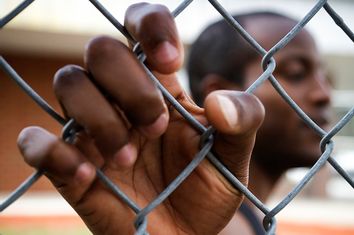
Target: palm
158, 163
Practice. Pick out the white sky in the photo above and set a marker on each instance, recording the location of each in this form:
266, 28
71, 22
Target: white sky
81, 17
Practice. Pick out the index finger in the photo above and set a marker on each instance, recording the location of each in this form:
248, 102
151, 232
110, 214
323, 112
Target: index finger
153, 26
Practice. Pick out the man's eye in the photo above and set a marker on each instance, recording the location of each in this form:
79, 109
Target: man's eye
295, 76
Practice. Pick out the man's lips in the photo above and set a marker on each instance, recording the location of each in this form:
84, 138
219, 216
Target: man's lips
321, 121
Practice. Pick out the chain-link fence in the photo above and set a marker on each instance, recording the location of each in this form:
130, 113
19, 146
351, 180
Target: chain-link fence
268, 64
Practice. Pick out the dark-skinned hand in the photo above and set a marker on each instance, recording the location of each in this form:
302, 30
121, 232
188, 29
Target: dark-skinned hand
138, 140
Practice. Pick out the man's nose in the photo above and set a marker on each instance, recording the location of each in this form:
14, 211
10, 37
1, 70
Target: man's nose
320, 92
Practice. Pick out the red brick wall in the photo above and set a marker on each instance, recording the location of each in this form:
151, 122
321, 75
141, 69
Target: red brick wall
17, 111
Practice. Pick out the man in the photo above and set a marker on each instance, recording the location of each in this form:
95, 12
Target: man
133, 135
221, 59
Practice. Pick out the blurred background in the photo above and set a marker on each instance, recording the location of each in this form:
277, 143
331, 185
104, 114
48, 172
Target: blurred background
52, 33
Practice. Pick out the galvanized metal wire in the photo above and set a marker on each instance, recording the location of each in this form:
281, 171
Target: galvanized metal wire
71, 128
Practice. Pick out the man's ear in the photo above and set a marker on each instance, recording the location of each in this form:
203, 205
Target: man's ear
212, 82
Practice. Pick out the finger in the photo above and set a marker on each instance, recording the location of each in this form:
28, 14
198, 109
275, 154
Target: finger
236, 116
153, 26
117, 71
82, 101
62, 163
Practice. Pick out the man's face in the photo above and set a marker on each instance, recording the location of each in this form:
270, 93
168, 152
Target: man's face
284, 140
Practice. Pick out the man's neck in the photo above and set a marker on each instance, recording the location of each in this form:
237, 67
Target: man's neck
261, 182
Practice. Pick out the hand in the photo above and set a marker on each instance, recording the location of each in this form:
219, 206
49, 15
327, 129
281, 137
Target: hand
141, 143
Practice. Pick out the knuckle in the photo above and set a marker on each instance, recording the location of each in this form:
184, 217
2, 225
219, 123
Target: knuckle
146, 12
36, 144
24, 136
155, 11
136, 6
157, 14
155, 18
144, 20
137, 111
101, 47
67, 76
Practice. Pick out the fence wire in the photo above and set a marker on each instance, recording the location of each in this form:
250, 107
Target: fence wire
268, 63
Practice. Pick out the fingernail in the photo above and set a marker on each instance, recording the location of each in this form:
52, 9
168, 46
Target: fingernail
157, 128
228, 110
126, 156
84, 172
166, 52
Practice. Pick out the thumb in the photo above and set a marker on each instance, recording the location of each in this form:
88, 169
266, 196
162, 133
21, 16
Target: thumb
236, 116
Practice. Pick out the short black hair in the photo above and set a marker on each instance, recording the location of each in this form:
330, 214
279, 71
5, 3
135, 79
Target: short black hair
221, 50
